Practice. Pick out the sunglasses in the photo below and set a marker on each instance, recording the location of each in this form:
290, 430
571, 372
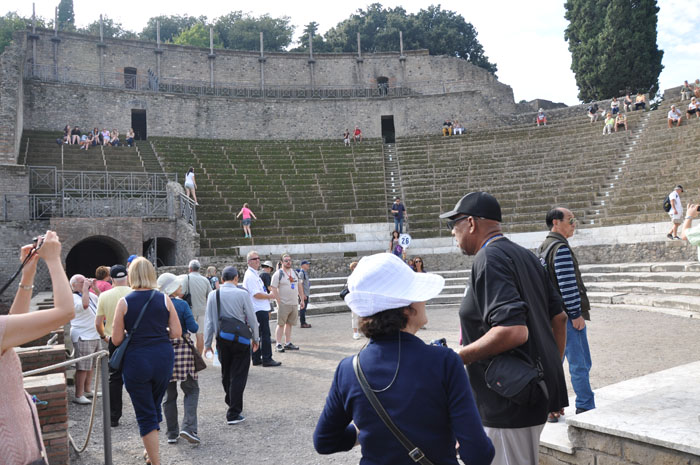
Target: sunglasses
571, 221
287, 260
452, 223
417, 261
254, 258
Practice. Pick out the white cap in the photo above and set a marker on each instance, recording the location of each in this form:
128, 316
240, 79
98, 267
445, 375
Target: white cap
383, 281
168, 283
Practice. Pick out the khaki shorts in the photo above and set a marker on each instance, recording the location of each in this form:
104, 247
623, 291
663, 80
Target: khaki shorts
287, 314
82, 348
200, 322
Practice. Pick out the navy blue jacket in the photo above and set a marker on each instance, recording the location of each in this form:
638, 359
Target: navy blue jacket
430, 402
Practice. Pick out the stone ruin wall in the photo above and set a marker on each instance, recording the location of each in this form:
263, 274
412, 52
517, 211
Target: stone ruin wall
473, 95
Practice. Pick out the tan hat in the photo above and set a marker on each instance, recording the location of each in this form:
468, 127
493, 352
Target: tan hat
267, 263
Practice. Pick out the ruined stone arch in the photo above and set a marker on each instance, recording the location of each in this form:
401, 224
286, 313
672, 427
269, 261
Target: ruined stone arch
93, 251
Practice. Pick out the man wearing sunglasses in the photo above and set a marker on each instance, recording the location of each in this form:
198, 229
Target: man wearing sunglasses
509, 306
564, 273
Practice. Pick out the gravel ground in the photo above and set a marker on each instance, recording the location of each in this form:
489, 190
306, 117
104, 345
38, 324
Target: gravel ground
282, 404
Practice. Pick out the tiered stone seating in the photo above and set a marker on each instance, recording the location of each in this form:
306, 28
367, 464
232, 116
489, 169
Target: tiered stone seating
660, 159
529, 169
39, 148
301, 192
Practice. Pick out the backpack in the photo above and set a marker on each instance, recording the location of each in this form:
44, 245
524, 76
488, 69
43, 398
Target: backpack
667, 204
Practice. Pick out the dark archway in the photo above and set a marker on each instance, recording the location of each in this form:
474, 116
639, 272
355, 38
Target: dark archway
163, 248
130, 78
88, 254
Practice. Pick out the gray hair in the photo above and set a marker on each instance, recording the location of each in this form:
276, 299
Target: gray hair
195, 265
74, 279
250, 254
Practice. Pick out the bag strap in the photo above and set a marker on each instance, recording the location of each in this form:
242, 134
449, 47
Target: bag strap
413, 452
36, 431
143, 310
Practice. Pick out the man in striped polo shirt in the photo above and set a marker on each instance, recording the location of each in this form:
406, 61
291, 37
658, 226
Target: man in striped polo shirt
564, 272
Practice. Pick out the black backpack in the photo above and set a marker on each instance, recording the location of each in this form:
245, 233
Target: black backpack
667, 204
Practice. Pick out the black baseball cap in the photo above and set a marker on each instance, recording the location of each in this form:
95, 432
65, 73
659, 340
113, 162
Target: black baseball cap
117, 271
481, 204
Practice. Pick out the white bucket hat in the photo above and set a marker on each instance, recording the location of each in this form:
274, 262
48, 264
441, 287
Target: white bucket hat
383, 281
168, 283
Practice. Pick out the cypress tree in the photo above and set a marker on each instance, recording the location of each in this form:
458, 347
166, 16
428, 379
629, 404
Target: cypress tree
66, 17
613, 46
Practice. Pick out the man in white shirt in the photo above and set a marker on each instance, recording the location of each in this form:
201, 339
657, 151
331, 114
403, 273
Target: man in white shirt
83, 334
676, 212
674, 116
261, 305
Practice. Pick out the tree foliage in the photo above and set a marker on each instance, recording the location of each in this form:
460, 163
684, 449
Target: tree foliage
196, 36
66, 16
10, 23
320, 44
442, 32
239, 31
170, 26
613, 46
110, 28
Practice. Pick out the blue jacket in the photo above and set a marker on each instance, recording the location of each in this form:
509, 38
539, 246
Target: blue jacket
184, 313
430, 402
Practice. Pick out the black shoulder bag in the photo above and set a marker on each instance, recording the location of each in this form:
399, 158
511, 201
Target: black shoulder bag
117, 358
188, 297
414, 452
230, 328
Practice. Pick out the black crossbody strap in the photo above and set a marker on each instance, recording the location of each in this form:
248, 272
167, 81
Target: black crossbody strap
414, 452
143, 310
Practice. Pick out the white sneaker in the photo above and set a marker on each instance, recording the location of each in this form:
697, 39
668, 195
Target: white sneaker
89, 394
356, 336
82, 400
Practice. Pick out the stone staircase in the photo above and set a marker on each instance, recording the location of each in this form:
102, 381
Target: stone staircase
671, 288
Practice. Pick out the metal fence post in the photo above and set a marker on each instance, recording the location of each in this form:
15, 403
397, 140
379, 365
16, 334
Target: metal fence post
106, 416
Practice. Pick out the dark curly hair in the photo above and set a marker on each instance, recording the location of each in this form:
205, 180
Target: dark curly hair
386, 322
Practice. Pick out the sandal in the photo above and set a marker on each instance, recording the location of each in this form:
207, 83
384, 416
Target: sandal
145, 457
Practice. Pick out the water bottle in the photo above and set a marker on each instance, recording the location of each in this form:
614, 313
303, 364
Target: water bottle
217, 363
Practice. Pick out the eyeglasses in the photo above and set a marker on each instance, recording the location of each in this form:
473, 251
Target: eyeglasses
452, 223
254, 258
287, 260
572, 221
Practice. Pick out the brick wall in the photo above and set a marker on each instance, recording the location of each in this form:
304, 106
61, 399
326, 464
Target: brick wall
53, 417
11, 100
39, 357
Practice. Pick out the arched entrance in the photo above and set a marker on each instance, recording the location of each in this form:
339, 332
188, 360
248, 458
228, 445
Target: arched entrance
88, 254
161, 248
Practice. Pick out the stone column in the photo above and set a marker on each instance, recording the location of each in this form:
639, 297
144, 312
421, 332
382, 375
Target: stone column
101, 46
359, 60
33, 37
158, 51
311, 61
262, 60
211, 56
55, 40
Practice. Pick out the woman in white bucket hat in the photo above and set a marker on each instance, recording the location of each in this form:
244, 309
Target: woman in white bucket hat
423, 388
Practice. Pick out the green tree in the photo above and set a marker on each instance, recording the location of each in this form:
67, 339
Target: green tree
170, 26
239, 31
66, 17
320, 45
10, 23
110, 28
196, 36
442, 32
613, 46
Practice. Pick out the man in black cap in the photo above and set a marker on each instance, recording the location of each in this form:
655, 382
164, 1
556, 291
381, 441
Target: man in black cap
509, 306
106, 306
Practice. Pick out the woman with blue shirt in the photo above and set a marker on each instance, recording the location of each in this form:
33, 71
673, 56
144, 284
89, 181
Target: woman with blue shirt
423, 388
183, 368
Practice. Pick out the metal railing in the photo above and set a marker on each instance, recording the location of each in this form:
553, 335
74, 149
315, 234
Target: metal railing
188, 210
85, 204
104, 384
242, 89
47, 179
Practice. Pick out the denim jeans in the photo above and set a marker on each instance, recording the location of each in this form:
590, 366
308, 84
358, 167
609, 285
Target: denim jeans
579, 357
398, 225
189, 421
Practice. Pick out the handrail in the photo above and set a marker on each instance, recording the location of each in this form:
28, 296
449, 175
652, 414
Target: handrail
104, 378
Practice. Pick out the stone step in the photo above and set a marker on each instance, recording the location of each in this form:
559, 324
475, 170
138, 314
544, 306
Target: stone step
660, 301
658, 288
668, 277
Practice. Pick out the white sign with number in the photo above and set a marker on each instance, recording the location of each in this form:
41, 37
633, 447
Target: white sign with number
405, 240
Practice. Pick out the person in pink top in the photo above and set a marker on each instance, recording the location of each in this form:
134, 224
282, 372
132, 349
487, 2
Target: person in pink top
20, 442
102, 279
247, 213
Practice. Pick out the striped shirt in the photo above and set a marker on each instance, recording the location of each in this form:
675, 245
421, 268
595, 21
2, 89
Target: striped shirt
566, 278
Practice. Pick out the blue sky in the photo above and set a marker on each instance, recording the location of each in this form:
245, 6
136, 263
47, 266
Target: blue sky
524, 38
